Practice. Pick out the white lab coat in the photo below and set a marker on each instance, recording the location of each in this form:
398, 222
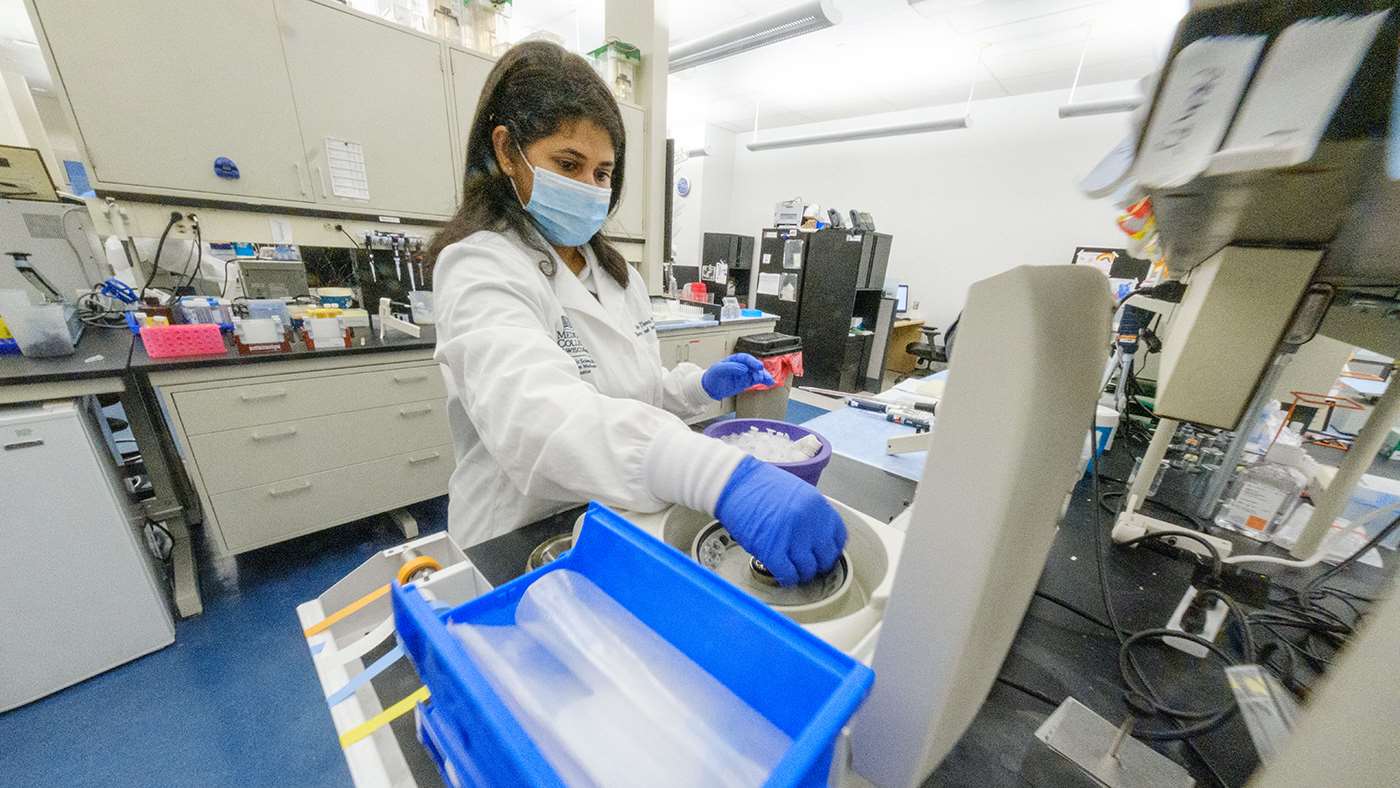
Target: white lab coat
556, 397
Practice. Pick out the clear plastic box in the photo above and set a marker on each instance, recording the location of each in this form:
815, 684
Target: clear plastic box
41, 331
620, 65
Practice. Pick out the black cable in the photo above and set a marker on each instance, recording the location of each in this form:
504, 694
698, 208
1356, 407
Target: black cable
1101, 559
223, 291
1034, 693
155, 263
198, 258
1084, 614
1246, 637
1215, 561
1164, 506
1311, 587
370, 254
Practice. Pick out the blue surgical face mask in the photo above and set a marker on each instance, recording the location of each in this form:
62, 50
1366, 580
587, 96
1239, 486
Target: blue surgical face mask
567, 213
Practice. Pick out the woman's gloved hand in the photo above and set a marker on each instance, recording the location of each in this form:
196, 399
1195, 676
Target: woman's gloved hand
783, 521
734, 375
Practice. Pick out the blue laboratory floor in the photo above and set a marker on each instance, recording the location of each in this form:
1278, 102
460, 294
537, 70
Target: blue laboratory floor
234, 700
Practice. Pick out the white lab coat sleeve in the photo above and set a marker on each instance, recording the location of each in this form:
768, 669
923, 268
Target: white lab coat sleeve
682, 392
552, 433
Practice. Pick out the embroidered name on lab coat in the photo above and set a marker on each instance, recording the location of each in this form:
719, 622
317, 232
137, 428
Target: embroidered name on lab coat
645, 327
571, 344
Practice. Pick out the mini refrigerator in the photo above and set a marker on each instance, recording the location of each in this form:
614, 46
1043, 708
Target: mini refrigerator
82, 591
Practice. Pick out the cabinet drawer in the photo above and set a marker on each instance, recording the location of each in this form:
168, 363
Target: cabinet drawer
278, 400
234, 459
268, 513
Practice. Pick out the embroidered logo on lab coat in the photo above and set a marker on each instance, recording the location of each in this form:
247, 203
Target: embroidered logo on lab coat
571, 344
645, 327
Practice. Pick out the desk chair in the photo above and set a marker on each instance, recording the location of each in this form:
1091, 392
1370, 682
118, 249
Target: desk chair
929, 352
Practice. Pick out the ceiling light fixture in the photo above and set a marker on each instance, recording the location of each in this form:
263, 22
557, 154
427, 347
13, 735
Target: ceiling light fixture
1100, 107
862, 134
798, 20
871, 132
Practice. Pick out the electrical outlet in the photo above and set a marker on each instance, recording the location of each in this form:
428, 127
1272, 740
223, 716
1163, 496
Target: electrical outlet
1208, 629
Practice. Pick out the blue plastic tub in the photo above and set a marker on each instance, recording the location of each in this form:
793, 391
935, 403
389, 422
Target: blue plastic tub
802, 685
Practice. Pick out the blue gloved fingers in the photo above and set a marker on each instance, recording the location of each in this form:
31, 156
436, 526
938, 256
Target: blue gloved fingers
783, 570
747, 360
825, 552
765, 379
804, 561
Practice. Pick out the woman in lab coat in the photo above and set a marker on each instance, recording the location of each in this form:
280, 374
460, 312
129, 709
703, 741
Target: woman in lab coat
556, 393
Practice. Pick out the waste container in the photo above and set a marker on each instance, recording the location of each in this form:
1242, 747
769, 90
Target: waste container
781, 355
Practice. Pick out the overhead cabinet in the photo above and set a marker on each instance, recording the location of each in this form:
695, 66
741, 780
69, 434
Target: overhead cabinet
160, 91
372, 99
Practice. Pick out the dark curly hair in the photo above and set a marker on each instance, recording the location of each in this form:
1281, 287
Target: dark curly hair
535, 89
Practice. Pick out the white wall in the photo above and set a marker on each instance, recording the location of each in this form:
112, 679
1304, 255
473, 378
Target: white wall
962, 205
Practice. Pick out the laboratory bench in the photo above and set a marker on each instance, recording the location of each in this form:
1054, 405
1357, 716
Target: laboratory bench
1056, 653
265, 447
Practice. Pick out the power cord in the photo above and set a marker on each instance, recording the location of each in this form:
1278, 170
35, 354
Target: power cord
175, 217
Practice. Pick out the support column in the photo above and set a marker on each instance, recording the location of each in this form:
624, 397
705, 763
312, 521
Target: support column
645, 24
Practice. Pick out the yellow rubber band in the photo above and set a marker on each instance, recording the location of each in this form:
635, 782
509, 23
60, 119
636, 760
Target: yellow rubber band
329, 621
383, 718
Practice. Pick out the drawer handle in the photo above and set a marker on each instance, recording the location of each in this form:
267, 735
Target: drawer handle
23, 445
271, 394
274, 434
410, 377
296, 488
421, 410
424, 458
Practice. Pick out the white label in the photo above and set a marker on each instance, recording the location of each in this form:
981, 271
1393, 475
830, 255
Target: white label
390, 219
721, 273
770, 235
768, 284
1206, 81
767, 258
281, 231
1304, 76
1255, 505
345, 163
855, 238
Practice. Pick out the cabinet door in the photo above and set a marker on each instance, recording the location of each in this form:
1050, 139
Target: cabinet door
671, 352
159, 90
469, 72
705, 350
381, 88
629, 220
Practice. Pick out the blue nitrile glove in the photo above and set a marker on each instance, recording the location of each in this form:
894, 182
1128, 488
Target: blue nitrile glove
783, 521
734, 375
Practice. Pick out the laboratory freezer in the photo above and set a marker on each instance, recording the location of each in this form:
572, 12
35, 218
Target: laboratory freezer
82, 591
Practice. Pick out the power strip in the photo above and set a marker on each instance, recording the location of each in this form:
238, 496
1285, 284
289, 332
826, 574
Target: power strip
1131, 525
1215, 619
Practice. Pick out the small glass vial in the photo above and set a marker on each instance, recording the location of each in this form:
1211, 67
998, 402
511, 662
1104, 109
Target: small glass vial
1156, 480
1260, 498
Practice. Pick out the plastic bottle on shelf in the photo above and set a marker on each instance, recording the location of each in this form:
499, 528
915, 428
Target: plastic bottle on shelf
729, 310
1260, 498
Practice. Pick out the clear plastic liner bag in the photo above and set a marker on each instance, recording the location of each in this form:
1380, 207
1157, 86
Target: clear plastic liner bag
607, 701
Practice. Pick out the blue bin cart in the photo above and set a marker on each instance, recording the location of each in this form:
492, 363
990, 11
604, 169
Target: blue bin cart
805, 687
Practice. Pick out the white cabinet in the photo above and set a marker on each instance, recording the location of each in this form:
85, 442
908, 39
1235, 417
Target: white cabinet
368, 82
469, 72
159, 90
630, 218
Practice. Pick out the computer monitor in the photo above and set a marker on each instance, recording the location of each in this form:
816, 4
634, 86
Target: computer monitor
901, 299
